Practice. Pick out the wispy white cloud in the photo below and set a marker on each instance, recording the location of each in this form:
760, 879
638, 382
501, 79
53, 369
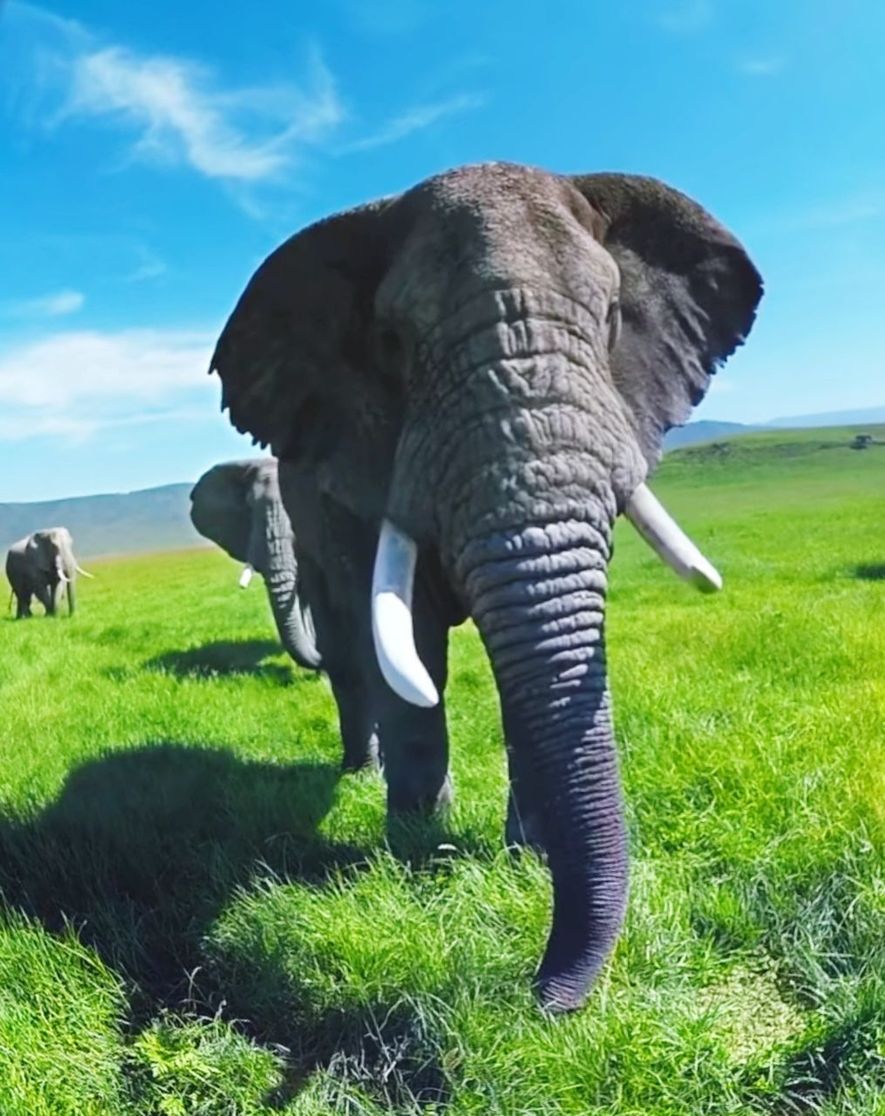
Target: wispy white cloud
762, 66
181, 115
75, 383
253, 141
685, 17
415, 120
176, 109
54, 305
149, 267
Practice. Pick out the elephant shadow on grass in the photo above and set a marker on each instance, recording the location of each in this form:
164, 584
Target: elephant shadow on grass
870, 571
140, 853
228, 657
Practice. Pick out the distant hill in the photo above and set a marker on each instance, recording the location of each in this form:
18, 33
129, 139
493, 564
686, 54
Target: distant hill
704, 432
707, 431
152, 519
866, 415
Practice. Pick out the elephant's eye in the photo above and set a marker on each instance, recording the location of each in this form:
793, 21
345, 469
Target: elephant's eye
613, 321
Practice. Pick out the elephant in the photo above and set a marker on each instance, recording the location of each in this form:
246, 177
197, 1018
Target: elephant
43, 565
465, 384
238, 505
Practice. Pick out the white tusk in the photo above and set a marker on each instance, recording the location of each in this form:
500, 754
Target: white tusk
62, 577
245, 577
669, 541
85, 573
392, 628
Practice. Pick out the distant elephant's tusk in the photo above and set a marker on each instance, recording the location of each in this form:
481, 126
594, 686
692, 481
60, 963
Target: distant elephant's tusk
392, 627
63, 578
245, 577
85, 573
669, 541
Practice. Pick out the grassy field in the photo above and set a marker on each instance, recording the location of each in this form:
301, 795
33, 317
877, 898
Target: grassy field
201, 917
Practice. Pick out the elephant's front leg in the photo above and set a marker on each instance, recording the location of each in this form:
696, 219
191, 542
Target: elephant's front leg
46, 597
341, 619
414, 741
356, 720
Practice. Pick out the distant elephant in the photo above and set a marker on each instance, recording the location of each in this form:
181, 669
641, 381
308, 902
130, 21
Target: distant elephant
42, 565
465, 385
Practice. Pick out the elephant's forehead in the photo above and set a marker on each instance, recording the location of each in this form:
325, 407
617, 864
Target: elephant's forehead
495, 225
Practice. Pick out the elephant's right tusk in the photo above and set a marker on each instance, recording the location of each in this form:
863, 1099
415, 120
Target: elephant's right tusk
392, 627
245, 576
65, 580
85, 573
664, 535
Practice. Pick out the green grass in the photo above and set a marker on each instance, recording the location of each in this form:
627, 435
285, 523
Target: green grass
200, 917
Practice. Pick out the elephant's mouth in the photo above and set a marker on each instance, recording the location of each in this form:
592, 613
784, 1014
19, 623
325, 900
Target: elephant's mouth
393, 585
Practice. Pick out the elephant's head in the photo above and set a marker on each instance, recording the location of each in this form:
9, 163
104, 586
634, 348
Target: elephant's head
50, 553
237, 505
486, 365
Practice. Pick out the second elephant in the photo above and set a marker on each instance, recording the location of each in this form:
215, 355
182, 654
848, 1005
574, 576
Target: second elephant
238, 505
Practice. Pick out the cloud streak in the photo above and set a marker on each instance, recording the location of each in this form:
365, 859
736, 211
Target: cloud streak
54, 305
763, 66
180, 115
171, 111
416, 119
175, 109
77, 382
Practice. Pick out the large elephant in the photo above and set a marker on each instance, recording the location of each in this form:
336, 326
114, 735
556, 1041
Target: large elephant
465, 385
42, 565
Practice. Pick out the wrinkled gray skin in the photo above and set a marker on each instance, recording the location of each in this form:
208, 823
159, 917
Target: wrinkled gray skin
491, 360
34, 567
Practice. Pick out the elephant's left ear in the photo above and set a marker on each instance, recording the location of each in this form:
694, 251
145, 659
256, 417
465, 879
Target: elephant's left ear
688, 298
294, 351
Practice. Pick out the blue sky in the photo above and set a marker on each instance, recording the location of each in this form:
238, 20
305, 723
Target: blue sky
152, 154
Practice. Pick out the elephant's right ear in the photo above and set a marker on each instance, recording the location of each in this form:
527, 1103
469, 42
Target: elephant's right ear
689, 293
295, 348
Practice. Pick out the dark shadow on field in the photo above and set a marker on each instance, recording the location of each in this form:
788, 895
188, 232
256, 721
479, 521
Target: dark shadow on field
143, 848
227, 657
140, 853
870, 571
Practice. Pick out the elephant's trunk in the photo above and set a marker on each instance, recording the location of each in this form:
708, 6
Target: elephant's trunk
520, 468
537, 595
292, 618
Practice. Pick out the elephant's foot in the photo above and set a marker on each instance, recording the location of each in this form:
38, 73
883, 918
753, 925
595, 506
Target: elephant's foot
522, 829
361, 753
419, 794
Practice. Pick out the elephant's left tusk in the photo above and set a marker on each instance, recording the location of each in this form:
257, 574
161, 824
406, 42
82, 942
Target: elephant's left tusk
669, 541
63, 578
392, 627
85, 573
245, 577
